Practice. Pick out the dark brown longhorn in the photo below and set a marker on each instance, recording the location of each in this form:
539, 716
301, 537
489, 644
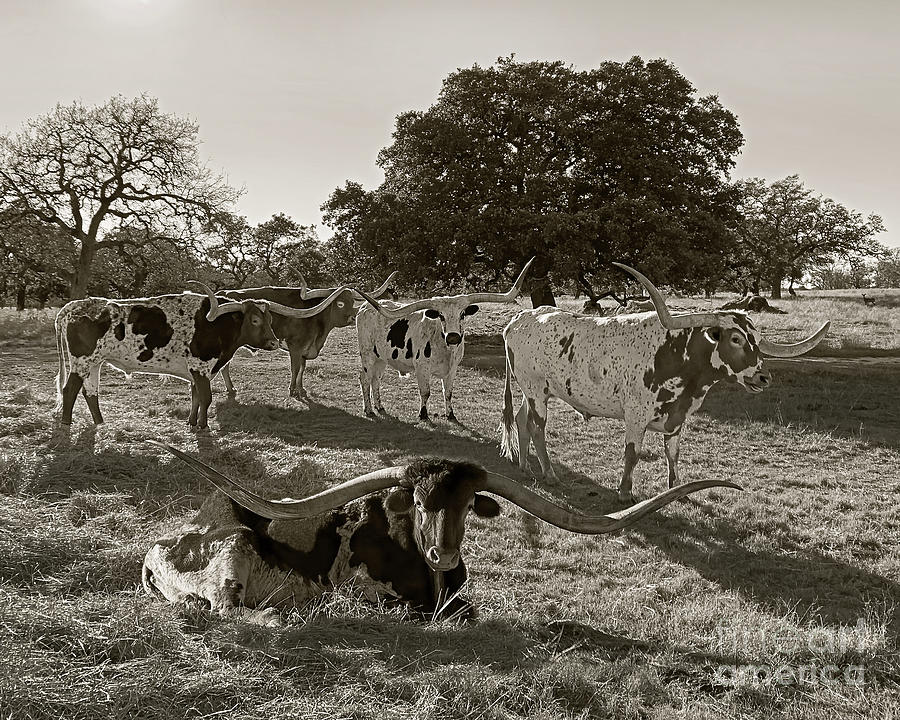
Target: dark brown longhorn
399, 530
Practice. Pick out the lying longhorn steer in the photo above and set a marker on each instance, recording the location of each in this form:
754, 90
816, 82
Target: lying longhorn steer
651, 369
403, 545
426, 337
303, 338
188, 336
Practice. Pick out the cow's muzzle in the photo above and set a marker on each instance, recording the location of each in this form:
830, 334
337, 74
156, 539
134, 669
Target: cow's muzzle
454, 338
759, 382
442, 559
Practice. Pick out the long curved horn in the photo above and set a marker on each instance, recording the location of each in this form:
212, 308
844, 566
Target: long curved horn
308, 294
324, 501
509, 296
313, 294
398, 312
427, 303
215, 309
678, 322
304, 312
590, 524
794, 349
379, 291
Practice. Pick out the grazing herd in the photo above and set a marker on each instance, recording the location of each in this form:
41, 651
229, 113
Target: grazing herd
398, 531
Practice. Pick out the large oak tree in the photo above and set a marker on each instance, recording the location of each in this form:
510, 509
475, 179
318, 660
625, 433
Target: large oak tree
788, 231
97, 171
622, 162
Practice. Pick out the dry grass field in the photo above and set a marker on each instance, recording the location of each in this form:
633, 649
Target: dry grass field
781, 601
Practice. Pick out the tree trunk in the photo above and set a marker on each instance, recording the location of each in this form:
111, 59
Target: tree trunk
83, 274
775, 282
542, 293
21, 292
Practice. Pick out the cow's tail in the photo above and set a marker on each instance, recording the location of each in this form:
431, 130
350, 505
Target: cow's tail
62, 350
509, 433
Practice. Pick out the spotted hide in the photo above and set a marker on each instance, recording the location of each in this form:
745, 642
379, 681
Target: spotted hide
424, 343
164, 335
426, 337
627, 367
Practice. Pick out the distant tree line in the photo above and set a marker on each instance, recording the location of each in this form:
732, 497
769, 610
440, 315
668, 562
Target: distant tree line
621, 162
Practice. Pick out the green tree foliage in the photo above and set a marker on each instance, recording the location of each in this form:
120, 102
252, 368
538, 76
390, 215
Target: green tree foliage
95, 171
622, 162
789, 231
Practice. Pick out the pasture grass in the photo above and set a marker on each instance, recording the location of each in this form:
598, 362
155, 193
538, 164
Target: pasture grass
781, 601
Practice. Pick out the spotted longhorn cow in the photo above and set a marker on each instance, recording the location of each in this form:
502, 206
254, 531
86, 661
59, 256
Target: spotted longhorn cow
396, 532
651, 370
303, 338
425, 337
189, 336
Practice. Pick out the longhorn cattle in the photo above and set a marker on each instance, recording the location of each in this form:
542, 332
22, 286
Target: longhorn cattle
652, 370
426, 337
189, 336
302, 338
397, 532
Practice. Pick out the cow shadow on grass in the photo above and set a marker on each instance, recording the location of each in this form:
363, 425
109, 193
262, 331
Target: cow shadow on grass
391, 439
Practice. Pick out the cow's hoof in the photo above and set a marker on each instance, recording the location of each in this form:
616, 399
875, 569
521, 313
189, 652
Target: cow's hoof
370, 414
423, 415
627, 498
452, 418
382, 411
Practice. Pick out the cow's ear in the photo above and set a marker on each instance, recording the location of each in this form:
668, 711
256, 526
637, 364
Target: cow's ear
471, 310
399, 500
486, 507
713, 335
431, 313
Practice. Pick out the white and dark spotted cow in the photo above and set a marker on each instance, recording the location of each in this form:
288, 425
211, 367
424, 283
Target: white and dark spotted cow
426, 337
188, 336
652, 370
396, 532
303, 338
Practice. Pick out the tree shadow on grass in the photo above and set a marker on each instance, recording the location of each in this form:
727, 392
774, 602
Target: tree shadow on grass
848, 399
789, 578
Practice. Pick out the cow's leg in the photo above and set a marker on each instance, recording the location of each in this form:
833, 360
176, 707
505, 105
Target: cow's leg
365, 387
634, 440
91, 392
423, 379
524, 434
447, 385
204, 399
370, 385
671, 443
229, 386
537, 423
298, 365
378, 368
195, 403
69, 394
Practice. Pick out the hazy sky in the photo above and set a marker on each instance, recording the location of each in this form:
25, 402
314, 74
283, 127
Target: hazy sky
293, 98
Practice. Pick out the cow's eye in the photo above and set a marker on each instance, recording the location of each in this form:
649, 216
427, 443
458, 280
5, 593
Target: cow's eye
256, 321
340, 303
736, 340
